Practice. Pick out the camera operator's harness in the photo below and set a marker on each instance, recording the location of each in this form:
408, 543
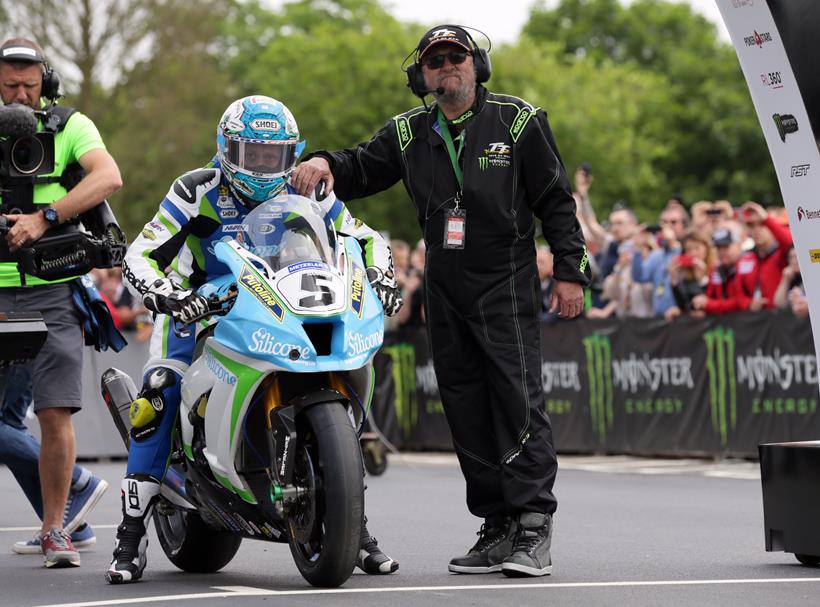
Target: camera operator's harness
66, 250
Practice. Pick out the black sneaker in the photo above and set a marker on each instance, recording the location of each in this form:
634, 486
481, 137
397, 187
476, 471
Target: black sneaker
129, 552
371, 558
531, 548
493, 546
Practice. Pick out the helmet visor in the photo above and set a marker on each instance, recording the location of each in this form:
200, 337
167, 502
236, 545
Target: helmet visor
271, 158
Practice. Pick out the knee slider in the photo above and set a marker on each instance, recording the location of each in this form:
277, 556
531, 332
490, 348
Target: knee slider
147, 410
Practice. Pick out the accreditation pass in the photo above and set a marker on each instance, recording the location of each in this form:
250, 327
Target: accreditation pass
455, 228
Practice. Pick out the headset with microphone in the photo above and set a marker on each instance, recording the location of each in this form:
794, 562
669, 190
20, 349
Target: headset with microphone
481, 60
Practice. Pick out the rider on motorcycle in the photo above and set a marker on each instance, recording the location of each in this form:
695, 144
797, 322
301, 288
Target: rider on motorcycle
257, 147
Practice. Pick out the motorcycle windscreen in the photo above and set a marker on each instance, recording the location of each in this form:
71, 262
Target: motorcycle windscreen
290, 232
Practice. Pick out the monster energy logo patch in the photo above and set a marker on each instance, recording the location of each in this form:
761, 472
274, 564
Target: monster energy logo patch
720, 366
404, 132
520, 122
482, 163
598, 350
404, 380
261, 292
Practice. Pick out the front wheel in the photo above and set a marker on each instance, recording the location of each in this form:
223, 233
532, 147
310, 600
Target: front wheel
325, 523
189, 543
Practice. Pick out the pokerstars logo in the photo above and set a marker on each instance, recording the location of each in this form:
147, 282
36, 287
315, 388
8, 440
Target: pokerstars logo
807, 214
757, 39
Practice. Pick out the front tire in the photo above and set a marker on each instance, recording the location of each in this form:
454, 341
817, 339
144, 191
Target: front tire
325, 524
189, 543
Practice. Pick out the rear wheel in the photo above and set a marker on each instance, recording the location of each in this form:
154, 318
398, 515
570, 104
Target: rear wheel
325, 522
189, 543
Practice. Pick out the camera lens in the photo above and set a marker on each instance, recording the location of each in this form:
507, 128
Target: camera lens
27, 155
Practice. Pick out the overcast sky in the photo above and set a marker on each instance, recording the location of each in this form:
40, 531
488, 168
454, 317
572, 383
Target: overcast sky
501, 20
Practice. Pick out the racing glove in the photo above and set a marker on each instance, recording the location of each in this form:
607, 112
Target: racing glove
386, 289
166, 297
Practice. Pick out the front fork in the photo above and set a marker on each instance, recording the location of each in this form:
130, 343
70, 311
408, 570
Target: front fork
282, 437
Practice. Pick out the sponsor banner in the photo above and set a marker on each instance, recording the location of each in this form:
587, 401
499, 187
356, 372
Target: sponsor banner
693, 387
777, 44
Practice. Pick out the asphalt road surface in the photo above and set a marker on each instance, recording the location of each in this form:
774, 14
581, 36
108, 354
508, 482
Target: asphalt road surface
628, 531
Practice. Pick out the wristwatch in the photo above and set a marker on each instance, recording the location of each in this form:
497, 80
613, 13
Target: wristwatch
51, 216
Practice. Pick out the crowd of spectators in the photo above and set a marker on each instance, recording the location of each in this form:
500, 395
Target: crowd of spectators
710, 258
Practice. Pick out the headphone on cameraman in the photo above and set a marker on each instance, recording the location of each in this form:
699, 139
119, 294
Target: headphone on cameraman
51, 83
481, 60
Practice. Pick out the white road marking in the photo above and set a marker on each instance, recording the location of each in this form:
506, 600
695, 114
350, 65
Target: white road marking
237, 591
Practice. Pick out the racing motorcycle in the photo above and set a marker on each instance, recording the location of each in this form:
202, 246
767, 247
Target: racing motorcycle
265, 445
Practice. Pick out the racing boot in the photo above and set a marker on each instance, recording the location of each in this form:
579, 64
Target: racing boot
371, 558
139, 492
495, 542
530, 554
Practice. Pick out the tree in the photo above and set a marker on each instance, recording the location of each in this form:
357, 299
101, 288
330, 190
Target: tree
87, 42
716, 147
335, 64
160, 121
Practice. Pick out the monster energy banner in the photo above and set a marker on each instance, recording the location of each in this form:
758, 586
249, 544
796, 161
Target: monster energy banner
712, 386
406, 404
778, 45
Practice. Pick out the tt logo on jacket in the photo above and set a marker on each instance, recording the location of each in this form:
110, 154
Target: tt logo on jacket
495, 155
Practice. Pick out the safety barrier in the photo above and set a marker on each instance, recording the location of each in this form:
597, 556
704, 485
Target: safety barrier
718, 386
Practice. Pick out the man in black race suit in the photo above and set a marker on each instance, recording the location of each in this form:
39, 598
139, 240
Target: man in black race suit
479, 168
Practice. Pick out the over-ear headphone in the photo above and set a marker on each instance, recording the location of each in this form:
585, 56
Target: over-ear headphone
481, 60
51, 83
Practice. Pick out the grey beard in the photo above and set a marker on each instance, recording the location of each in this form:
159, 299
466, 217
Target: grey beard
459, 96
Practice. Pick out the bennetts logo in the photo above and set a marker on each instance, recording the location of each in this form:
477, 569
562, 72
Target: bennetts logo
757, 39
786, 125
807, 214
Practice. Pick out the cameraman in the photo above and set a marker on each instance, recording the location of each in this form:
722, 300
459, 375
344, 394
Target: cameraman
56, 372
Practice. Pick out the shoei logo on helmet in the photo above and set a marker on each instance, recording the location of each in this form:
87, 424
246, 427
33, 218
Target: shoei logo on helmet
265, 124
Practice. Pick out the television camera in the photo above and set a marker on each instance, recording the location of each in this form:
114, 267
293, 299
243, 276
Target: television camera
93, 239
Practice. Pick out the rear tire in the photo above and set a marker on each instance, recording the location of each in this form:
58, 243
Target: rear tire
325, 526
190, 544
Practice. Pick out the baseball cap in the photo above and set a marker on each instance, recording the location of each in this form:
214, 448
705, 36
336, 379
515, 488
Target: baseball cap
451, 34
724, 237
21, 49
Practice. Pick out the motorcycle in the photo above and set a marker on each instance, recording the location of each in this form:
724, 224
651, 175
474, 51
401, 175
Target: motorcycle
265, 445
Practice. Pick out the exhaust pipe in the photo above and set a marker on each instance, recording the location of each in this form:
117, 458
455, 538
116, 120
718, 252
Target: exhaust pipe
118, 392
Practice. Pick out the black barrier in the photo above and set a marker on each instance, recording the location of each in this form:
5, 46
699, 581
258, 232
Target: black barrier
717, 386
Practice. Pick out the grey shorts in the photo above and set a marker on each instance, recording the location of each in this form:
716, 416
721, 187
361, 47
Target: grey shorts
57, 370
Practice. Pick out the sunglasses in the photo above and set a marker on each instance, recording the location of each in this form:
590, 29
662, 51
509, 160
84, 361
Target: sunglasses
437, 61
